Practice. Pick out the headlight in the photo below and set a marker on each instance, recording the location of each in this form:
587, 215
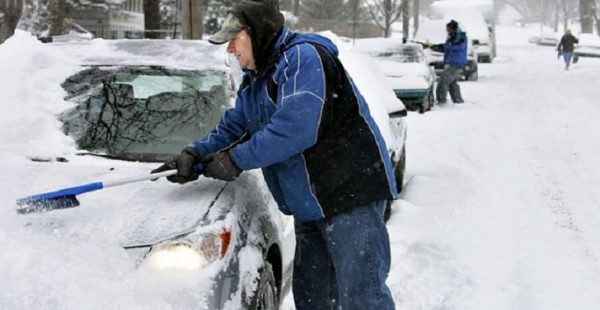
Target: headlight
183, 255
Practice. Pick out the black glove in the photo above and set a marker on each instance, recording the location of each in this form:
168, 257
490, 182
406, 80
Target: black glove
220, 166
184, 163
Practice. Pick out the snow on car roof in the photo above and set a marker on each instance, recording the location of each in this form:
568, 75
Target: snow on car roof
168, 53
380, 44
589, 39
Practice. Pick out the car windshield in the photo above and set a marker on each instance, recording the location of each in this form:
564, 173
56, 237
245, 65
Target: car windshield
144, 114
400, 55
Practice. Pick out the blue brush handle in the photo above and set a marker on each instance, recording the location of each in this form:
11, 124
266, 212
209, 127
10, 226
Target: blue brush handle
75, 190
80, 189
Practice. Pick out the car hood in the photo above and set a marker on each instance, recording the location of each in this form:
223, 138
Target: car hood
142, 213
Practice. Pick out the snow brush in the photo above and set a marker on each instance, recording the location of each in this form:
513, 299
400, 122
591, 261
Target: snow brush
66, 197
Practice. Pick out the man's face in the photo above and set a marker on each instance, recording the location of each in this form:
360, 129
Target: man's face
241, 47
451, 31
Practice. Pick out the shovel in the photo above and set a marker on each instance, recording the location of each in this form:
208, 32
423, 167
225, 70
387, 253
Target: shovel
66, 197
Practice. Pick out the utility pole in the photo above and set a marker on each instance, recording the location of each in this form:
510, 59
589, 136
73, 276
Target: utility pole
191, 20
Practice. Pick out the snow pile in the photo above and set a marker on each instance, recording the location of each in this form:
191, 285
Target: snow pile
25, 125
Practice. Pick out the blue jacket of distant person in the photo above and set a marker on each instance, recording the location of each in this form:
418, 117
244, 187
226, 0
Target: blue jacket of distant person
454, 49
303, 121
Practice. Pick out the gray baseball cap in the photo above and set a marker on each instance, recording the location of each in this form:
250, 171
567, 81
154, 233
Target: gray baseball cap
231, 27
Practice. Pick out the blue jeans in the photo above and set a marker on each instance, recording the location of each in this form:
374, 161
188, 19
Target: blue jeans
342, 262
567, 57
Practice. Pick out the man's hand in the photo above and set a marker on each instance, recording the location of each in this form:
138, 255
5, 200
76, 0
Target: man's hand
184, 163
220, 166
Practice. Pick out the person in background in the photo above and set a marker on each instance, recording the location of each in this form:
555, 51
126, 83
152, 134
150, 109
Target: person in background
300, 118
455, 59
566, 47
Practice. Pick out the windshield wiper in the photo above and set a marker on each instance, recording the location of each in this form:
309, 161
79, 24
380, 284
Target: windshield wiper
141, 157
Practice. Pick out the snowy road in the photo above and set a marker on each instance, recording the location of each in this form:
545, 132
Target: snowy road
502, 206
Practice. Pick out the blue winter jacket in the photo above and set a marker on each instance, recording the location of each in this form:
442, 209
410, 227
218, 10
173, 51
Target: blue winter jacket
454, 49
309, 129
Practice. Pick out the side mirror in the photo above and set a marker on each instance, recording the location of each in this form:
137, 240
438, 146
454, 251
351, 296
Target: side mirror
397, 114
476, 42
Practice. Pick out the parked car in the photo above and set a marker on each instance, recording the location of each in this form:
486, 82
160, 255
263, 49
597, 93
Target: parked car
589, 46
129, 105
387, 110
548, 39
406, 68
433, 31
134, 104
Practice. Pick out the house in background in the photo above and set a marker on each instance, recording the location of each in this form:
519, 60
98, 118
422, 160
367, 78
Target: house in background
123, 21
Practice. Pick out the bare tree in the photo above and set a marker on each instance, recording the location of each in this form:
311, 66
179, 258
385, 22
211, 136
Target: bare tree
596, 19
191, 20
586, 13
152, 19
405, 9
12, 14
322, 9
416, 12
385, 13
296, 8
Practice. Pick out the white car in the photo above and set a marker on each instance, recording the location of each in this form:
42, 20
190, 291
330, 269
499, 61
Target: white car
134, 104
548, 39
406, 69
387, 110
101, 110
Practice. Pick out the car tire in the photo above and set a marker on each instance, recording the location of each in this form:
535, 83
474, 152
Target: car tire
399, 171
430, 100
474, 76
265, 297
399, 174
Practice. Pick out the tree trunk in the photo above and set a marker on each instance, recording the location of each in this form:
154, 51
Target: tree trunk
191, 20
57, 17
416, 13
152, 19
296, 9
586, 16
11, 19
405, 8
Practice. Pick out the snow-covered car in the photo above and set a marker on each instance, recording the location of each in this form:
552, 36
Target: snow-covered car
406, 69
387, 110
548, 39
588, 46
105, 110
433, 31
134, 104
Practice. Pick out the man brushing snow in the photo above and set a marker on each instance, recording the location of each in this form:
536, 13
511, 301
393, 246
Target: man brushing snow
455, 59
300, 118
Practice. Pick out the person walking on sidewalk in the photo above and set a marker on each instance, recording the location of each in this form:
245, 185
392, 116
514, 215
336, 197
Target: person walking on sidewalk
455, 59
566, 47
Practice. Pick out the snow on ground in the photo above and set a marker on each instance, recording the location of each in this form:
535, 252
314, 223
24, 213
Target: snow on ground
500, 210
501, 207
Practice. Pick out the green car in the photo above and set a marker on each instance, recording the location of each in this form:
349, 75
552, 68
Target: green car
406, 69
589, 46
